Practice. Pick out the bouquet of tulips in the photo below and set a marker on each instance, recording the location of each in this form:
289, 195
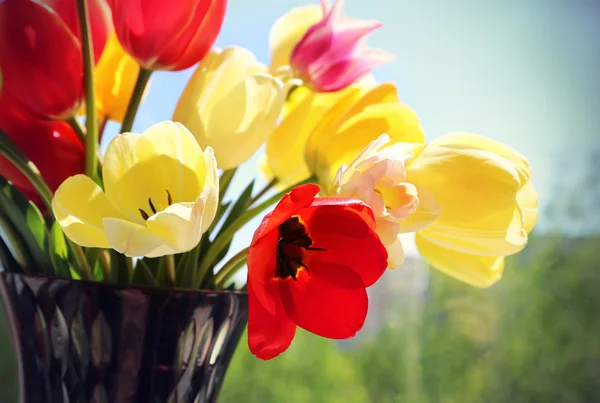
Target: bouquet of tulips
346, 160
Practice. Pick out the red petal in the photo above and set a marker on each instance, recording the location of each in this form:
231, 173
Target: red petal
330, 302
349, 240
195, 42
300, 197
40, 60
145, 28
44, 144
261, 271
100, 20
348, 202
268, 334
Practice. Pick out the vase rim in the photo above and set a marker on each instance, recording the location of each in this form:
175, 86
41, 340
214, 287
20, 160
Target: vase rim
4, 273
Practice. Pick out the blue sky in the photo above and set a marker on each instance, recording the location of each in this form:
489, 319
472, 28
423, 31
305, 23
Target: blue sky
524, 72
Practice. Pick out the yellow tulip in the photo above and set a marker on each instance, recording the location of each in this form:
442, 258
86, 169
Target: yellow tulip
353, 122
160, 195
284, 157
377, 177
487, 203
288, 30
115, 75
231, 104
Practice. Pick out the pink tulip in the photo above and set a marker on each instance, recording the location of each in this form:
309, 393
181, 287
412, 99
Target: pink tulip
332, 54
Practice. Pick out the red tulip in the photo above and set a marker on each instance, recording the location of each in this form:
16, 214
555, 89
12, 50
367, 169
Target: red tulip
309, 264
167, 35
52, 146
41, 59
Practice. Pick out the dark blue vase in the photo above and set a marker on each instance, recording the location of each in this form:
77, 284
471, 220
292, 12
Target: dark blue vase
80, 342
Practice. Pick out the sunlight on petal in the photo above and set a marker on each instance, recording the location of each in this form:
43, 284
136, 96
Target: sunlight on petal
79, 206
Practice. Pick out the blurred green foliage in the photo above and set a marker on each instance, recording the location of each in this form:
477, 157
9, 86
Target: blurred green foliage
533, 337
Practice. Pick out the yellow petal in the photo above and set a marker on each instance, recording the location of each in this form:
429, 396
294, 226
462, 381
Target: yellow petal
230, 100
468, 184
135, 240
165, 160
528, 203
500, 234
353, 123
210, 194
395, 254
181, 224
426, 213
467, 141
115, 75
79, 206
288, 30
478, 271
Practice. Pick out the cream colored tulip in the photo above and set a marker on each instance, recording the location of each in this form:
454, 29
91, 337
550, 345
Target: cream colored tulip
231, 104
160, 195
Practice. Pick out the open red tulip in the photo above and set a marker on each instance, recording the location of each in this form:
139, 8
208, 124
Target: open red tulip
41, 57
52, 146
309, 264
167, 35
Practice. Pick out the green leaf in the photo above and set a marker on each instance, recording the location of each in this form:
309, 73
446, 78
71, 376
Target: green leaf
15, 245
118, 268
142, 274
59, 253
239, 208
7, 260
29, 223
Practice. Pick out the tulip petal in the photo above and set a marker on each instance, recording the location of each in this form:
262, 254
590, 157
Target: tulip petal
80, 206
135, 240
500, 234
469, 184
395, 254
478, 271
426, 213
348, 239
299, 198
528, 203
287, 31
261, 269
269, 334
139, 169
468, 141
330, 302
180, 223
115, 76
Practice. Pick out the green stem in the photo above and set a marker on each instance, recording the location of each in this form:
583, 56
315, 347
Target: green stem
170, 259
227, 235
104, 260
91, 122
264, 190
231, 267
76, 125
82, 261
136, 98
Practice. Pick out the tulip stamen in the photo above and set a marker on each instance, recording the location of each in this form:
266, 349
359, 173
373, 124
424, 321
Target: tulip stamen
169, 198
145, 215
151, 206
293, 241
